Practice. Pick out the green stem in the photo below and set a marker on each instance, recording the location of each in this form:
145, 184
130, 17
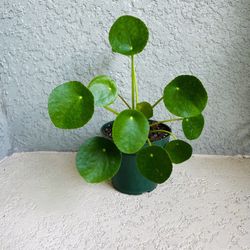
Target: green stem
171, 120
164, 131
112, 110
158, 101
149, 142
125, 102
134, 84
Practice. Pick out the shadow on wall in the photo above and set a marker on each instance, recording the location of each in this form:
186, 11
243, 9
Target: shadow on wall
237, 61
42, 135
5, 145
83, 70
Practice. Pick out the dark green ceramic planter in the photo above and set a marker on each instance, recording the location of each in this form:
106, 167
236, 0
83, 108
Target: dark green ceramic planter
128, 179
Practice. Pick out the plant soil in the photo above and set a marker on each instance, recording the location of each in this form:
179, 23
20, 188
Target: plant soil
153, 136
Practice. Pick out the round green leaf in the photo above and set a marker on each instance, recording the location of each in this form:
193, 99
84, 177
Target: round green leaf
128, 35
178, 151
154, 163
98, 159
71, 105
130, 131
104, 90
193, 126
145, 108
185, 96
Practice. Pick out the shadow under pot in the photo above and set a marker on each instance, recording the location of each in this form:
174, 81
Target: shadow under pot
128, 179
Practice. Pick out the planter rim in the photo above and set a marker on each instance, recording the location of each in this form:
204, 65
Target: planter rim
111, 122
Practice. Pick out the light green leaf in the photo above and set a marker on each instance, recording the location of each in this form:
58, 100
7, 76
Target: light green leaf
153, 162
98, 159
178, 151
130, 131
71, 105
193, 126
128, 35
104, 90
185, 96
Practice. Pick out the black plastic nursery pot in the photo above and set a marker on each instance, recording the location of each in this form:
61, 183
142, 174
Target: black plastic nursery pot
128, 179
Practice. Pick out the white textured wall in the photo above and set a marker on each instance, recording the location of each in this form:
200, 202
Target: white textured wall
44, 43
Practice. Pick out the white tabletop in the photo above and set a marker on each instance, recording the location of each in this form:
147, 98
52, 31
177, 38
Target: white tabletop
45, 204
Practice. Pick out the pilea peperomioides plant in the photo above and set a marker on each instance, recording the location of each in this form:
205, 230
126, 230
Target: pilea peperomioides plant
71, 105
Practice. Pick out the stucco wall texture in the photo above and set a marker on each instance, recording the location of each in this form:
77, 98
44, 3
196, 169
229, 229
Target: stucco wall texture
45, 43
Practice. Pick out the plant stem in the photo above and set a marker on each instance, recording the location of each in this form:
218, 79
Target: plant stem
158, 101
125, 102
136, 88
134, 84
112, 110
149, 142
171, 120
164, 131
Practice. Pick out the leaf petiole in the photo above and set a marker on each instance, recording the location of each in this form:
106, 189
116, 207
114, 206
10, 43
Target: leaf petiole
157, 102
170, 120
135, 96
149, 142
125, 102
112, 110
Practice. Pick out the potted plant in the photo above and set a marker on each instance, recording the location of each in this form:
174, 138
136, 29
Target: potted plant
134, 151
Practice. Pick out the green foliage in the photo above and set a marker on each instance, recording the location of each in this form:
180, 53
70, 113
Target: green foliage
178, 151
98, 159
128, 35
145, 108
154, 163
104, 90
71, 105
185, 96
130, 131
193, 126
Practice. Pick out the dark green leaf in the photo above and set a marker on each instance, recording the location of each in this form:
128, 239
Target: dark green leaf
185, 96
98, 160
128, 35
193, 126
104, 90
145, 108
178, 151
71, 105
153, 162
130, 131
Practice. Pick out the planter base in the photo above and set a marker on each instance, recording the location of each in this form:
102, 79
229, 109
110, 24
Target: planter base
129, 180
132, 192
